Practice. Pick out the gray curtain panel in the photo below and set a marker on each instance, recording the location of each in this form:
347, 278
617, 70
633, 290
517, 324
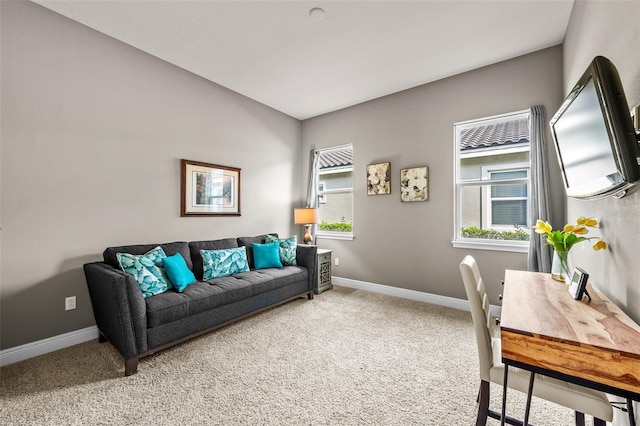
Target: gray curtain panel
312, 187
540, 254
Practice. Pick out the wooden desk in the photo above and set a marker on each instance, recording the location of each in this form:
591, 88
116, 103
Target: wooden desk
544, 330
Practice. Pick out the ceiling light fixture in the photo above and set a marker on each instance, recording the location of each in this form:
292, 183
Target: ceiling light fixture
317, 14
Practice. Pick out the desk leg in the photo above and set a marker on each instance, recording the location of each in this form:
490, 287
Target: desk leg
529, 393
632, 417
504, 395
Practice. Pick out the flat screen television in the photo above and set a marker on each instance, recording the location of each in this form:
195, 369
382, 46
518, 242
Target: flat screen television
594, 137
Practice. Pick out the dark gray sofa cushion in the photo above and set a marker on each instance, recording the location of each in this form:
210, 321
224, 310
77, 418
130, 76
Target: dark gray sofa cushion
170, 332
247, 241
196, 246
203, 296
169, 249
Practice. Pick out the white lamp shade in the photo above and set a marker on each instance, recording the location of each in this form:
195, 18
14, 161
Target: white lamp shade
305, 216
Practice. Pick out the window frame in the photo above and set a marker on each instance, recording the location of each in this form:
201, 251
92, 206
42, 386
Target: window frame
485, 244
322, 199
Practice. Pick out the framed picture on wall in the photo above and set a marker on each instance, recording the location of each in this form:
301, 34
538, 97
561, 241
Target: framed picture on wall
379, 179
209, 189
414, 184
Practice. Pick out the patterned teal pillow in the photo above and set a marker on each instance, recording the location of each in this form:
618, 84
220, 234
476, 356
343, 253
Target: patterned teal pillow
222, 263
287, 249
147, 270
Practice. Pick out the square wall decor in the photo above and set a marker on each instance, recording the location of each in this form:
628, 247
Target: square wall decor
379, 179
414, 184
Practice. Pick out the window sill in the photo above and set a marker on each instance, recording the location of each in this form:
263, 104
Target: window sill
345, 237
492, 245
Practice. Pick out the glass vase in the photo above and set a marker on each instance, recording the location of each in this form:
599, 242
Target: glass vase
561, 266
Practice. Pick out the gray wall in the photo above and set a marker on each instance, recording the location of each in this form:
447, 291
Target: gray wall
93, 131
409, 244
610, 29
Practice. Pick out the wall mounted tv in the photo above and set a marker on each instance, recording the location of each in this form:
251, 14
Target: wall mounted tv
593, 132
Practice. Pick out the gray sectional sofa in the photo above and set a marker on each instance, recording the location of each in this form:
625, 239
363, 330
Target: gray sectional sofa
139, 326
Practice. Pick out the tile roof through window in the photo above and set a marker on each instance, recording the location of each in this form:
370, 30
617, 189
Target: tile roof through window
336, 159
507, 133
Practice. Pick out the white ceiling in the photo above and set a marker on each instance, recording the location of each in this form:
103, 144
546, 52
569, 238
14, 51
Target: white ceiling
275, 53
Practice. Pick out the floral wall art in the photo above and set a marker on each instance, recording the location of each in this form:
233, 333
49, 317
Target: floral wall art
379, 179
414, 184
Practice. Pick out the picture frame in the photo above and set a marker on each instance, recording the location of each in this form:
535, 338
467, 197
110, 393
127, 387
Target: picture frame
414, 184
209, 189
379, 179
578, 285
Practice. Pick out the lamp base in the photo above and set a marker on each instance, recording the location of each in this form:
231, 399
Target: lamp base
307, 235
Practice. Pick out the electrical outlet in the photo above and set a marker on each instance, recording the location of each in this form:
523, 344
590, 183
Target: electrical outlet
69, 303
336, 261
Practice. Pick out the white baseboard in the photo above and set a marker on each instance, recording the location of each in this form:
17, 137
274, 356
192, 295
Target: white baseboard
436, 299
41, 347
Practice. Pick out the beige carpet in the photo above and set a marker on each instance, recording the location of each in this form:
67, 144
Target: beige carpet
348, 357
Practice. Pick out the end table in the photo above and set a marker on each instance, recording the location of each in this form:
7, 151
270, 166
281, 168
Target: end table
323, 271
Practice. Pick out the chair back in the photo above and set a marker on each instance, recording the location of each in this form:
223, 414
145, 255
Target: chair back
479, 305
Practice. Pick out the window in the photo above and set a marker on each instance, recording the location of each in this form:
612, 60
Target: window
507, 206
335, 192
492, 181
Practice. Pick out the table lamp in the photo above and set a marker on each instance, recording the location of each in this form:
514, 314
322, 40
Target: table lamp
307, 217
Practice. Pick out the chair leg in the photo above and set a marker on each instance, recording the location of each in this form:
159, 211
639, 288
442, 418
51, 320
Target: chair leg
483, 404
579, 418
632, 416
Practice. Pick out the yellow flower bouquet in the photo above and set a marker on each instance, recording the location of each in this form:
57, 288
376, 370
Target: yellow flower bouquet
562, 241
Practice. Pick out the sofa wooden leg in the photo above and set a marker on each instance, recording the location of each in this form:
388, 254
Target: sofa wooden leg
579, 418
101, 338
310, 295
599, 422
130, 366
483, 404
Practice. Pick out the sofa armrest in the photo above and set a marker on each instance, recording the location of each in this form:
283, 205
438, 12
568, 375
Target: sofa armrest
119, 307
307, 256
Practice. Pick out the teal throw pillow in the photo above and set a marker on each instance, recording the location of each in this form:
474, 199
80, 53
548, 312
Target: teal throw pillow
288, 247
178, 272
147, 270
225, 262
266, 255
